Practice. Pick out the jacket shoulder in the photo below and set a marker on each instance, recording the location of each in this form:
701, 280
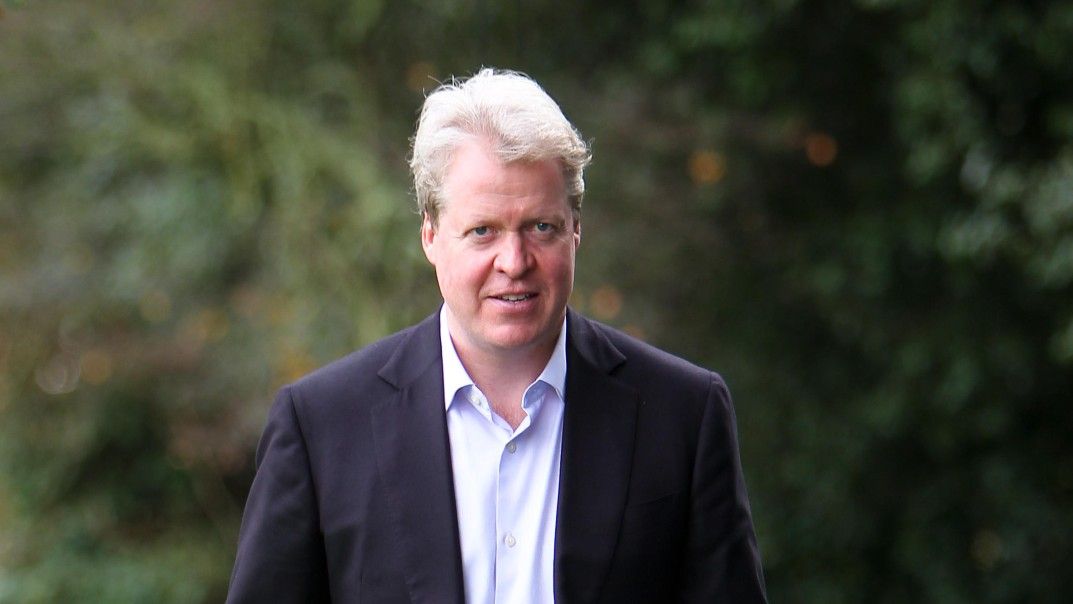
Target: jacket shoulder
358, 373
642, 358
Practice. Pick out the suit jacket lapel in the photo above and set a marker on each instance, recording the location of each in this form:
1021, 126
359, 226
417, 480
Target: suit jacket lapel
414, 459
600, 415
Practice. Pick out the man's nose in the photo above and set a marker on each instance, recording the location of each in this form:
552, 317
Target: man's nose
512, 257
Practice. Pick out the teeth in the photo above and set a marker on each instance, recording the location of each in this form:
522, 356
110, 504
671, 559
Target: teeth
515, 298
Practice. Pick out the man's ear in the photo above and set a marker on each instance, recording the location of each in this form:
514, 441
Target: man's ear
428, 236
577, 232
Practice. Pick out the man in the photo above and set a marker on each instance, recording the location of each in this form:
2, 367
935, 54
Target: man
506, 449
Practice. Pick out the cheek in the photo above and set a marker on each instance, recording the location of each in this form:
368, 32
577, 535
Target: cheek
464, 272
560, 265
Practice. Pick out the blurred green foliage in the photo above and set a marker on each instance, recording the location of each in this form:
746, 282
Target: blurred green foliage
860, 211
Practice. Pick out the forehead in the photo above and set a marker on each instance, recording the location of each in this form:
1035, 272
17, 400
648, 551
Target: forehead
478, 179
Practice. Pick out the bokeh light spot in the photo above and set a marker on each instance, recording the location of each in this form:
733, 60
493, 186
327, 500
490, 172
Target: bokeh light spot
213, 323
293, 364
247, 302
96, 366
203, 327
707, 167
606, 302
59, 375
421, 76
986, 549
821, 149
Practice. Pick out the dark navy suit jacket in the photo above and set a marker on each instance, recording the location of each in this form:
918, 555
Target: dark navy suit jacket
353, 500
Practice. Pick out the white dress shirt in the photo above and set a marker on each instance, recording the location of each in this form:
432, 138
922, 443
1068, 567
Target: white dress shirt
506, 481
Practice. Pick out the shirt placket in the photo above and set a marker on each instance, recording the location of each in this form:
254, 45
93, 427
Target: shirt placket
513, 548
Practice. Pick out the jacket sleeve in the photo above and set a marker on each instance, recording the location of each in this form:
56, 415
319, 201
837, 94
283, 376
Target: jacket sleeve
280, 550
722, 560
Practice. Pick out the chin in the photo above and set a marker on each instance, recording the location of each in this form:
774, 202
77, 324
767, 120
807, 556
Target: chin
517, 340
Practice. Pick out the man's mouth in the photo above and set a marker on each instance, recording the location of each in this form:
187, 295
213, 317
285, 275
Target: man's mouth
514, 297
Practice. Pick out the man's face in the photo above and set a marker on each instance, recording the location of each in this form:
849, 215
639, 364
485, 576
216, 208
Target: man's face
503, 250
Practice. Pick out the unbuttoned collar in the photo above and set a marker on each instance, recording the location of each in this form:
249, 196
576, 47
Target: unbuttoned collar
455, 376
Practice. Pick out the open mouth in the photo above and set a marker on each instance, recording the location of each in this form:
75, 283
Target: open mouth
515, 297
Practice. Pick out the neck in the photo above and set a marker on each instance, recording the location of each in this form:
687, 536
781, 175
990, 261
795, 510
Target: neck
503, 375
490, 368
504, 378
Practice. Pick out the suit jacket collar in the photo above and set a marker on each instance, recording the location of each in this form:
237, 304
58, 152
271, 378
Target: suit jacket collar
598, 433
419, 349
413, 456
414, 459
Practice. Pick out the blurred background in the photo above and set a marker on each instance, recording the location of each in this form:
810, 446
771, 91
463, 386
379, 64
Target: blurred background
860, 212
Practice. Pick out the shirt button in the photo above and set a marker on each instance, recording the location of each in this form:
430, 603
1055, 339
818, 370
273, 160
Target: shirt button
512, 447
510, 540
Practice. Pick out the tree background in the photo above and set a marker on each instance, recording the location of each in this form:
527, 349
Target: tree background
859, 211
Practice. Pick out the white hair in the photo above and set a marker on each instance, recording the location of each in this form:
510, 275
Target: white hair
507, 110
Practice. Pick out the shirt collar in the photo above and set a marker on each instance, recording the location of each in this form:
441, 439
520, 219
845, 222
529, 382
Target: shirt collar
455, 376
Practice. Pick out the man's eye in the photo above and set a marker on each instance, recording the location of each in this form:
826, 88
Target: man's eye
544, 227
481, 231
